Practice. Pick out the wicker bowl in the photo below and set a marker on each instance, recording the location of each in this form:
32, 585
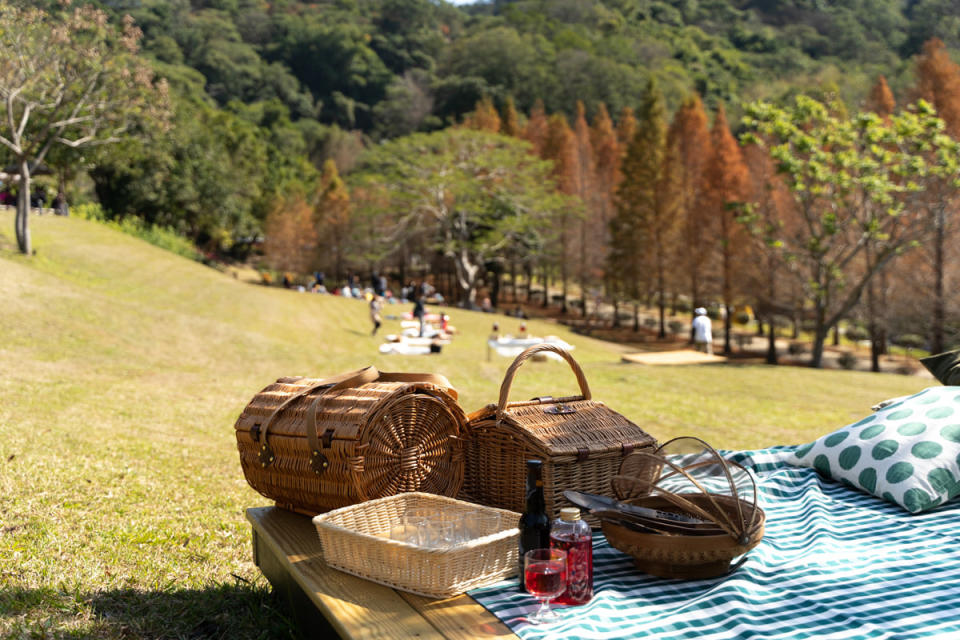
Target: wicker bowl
684, 557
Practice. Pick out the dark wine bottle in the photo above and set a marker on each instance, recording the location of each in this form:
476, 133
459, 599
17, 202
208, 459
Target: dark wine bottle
534, 523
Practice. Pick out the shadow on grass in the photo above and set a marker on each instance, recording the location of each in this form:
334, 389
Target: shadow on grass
239, 610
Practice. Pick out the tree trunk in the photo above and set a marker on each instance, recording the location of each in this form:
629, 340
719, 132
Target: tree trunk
636, 316
513, 279
663, 318
872, 324
528, 272
836, 335
22, 223
820, 337
616, 313
546, 287
727, 314
771, 342
936, 330
495, 290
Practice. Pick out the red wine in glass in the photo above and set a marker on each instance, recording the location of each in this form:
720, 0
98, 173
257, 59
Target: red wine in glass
545, 576
544, 579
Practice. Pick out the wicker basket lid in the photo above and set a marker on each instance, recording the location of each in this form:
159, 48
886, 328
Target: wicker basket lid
573, 425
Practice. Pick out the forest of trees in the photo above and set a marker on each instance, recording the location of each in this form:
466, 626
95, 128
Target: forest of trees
794, 156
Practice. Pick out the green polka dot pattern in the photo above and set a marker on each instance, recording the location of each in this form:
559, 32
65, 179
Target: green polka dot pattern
907, 453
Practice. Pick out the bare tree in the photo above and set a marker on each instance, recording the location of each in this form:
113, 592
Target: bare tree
68, 79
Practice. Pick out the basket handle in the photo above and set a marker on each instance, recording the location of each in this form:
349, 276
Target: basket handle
526, 355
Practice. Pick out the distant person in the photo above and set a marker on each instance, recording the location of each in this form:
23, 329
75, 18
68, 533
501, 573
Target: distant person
375, 306
485, 306
318, 279
287, 281
702, 333
419, 312
523, 330
60, 206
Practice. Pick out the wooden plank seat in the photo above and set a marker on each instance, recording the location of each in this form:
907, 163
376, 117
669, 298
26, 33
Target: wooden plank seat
287, 550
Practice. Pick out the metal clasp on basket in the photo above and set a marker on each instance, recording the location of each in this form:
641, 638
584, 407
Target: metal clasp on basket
560, 409
318, 461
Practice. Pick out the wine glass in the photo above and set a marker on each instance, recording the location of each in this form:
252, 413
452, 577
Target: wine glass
545, 576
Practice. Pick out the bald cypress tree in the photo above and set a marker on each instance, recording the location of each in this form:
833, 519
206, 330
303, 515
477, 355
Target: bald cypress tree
689, 140
640, 228
725, 183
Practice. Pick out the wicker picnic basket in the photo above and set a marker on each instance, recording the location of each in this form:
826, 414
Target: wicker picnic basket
318, 444
580, 440
356, 540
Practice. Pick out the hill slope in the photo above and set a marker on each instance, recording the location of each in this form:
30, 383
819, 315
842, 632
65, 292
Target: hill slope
123, 367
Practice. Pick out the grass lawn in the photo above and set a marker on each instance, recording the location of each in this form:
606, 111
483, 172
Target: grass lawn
123, 368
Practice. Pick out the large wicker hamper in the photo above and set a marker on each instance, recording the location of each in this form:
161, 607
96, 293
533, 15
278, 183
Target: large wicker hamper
580, 440
318, 444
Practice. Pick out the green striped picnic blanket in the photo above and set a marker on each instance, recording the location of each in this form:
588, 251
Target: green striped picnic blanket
834, 563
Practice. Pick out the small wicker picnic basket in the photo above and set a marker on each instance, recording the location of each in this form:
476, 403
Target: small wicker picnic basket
318, 444
356, 540
706, 511
580, 440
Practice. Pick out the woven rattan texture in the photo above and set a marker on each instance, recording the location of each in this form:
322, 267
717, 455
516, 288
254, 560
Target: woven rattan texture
582, 446
384, 438
355, 540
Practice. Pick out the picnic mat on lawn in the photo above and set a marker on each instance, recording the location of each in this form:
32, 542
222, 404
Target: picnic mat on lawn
834, 563
675, 357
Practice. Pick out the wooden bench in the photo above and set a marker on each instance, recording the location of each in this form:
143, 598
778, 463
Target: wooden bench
324, 601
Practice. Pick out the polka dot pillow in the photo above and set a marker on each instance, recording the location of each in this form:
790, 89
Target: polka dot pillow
907, 452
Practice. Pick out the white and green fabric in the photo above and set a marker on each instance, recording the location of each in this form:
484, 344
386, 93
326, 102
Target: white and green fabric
834, 563
907, 452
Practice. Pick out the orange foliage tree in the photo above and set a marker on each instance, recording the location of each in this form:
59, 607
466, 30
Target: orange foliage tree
332, 217
690, 147
607, 155
589, 243
938, 82
560, 147
725, 182
290, 243
484, 117
881, 100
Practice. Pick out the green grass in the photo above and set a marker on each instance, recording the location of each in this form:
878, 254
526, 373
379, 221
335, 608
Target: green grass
123, 368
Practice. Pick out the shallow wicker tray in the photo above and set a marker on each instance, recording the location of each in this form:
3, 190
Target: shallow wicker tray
353, 541
681, 556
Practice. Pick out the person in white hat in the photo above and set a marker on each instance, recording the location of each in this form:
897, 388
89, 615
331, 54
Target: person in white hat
702, 334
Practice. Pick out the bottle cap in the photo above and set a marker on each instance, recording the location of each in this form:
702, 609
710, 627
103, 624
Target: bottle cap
569, 514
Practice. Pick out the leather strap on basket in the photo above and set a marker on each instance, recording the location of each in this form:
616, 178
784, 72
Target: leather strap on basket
266, 454
503, 405
342, 381
318, 460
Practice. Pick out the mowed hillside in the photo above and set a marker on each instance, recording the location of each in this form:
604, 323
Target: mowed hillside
123, 368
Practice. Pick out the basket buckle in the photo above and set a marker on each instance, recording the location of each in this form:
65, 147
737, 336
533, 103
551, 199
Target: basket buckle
318, 461
266, 455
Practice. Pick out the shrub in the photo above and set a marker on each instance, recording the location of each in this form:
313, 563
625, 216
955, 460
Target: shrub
650, 322
713, 313
742, 317
796, 348
675, 326
857, 333
909, 341
162, 237
683, 306
847, 360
